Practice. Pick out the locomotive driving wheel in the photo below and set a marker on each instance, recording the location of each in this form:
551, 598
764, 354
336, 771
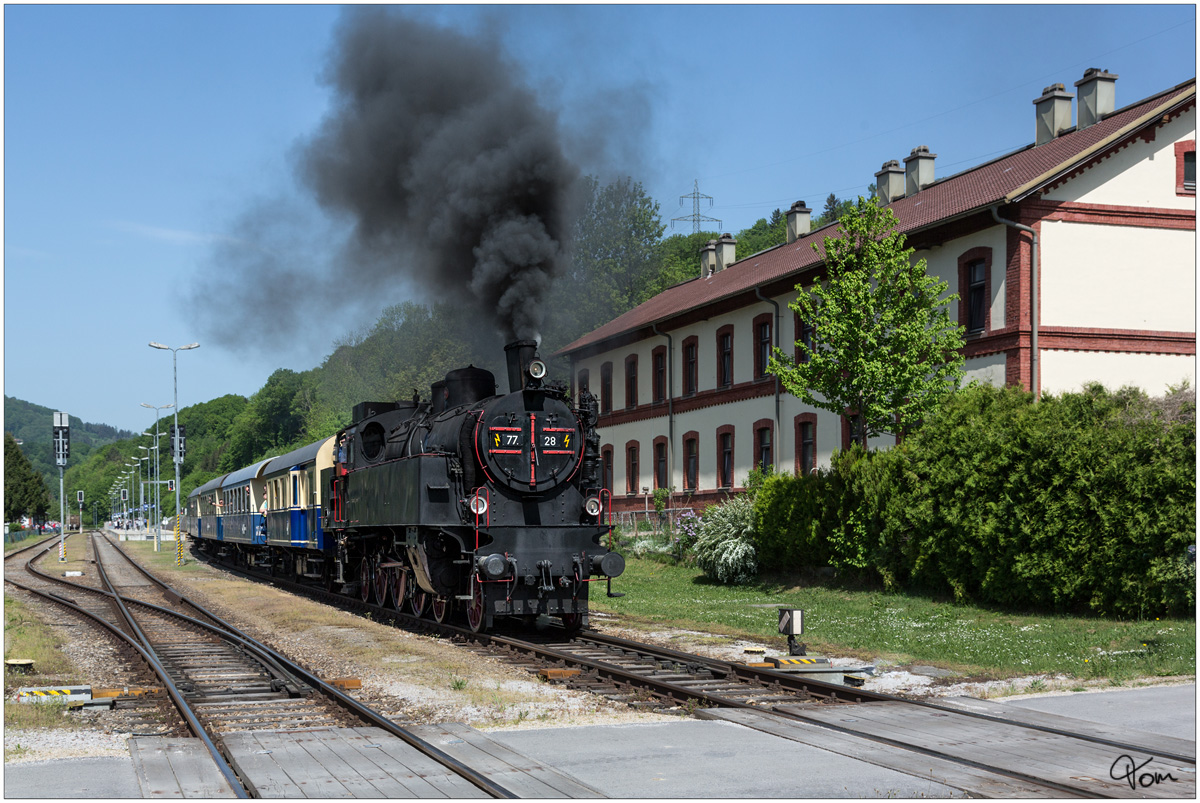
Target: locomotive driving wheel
399, 587
382, 582
418, 602
441, 609
572, 623
475, 616
364, 579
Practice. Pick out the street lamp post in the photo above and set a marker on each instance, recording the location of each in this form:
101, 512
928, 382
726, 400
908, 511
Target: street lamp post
175, 447
157, 477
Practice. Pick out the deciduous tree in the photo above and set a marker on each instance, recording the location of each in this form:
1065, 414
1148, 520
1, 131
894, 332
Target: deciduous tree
884, 348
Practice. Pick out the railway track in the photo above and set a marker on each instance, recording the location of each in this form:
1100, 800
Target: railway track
221, 681
994, 754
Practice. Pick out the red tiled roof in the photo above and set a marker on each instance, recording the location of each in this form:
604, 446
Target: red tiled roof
1003, 180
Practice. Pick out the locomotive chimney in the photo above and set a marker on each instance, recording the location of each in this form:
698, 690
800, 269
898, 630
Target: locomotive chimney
519, 354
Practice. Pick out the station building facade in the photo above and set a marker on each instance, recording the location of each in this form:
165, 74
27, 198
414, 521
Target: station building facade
1104, 208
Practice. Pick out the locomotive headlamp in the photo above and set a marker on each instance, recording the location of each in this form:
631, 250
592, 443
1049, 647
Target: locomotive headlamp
537, 369
477, 505
592, 506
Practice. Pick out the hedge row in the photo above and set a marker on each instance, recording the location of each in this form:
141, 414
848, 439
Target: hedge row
1082, 502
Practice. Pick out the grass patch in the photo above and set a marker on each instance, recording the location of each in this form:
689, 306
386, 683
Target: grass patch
162, 563
900, 629
26, 635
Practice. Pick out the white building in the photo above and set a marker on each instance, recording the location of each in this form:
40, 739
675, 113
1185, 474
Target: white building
1106, 209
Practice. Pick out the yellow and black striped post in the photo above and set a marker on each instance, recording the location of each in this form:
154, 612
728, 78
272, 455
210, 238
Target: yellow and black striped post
178, 543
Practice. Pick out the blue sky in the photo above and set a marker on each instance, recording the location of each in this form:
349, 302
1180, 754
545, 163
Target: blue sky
136, 135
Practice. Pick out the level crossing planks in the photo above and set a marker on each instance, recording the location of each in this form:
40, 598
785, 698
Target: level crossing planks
176, 768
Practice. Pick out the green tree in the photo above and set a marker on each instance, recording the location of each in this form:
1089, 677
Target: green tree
613, 257
762, 235
25, 492
884, 347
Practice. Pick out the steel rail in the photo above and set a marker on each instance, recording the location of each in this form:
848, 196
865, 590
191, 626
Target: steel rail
234, 634
194, 725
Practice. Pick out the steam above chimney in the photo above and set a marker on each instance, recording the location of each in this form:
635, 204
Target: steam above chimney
918, 170
1053, 111
798, 221
889, 182
1097, 96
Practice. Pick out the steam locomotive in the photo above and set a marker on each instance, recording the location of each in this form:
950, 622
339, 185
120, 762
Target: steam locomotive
487, 504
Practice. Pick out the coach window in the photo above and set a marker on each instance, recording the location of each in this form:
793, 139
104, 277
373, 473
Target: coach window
606, 388
725, 356
631, 381
691, 379
659, 364
632, 479
974, 282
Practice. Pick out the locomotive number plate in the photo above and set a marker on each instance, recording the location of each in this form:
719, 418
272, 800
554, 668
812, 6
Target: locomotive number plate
506, 440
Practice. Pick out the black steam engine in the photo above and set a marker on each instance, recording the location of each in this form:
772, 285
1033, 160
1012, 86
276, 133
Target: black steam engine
490, 504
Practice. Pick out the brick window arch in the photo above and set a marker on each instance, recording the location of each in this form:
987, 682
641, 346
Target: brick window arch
726, 464
975, 290
691, 461
805, 426
764, 443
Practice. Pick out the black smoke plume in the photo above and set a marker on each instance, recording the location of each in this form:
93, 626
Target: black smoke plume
448, 174
450, 170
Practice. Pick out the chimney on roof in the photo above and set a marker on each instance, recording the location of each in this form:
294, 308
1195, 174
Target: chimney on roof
726, 252
889, 182
708, 259
918, 170
1053, 111
1097, 96
798, 221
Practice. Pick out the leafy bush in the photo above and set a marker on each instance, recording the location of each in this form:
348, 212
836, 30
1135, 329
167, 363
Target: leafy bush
1082, 502
725, 548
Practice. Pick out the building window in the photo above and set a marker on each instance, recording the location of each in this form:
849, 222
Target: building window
606, 456
631, 381
725, 457
852, 429
977, 303
806, 443
804, 334
659, 363
583, 382
661, 478
606, 388
691, 379
632, 477
764, 446
975, 290
691, 461
762, 345
1185, 168
725, 356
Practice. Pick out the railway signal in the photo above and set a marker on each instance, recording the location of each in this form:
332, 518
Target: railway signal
62, 450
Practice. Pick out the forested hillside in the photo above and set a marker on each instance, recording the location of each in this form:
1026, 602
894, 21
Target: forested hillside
33, 425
